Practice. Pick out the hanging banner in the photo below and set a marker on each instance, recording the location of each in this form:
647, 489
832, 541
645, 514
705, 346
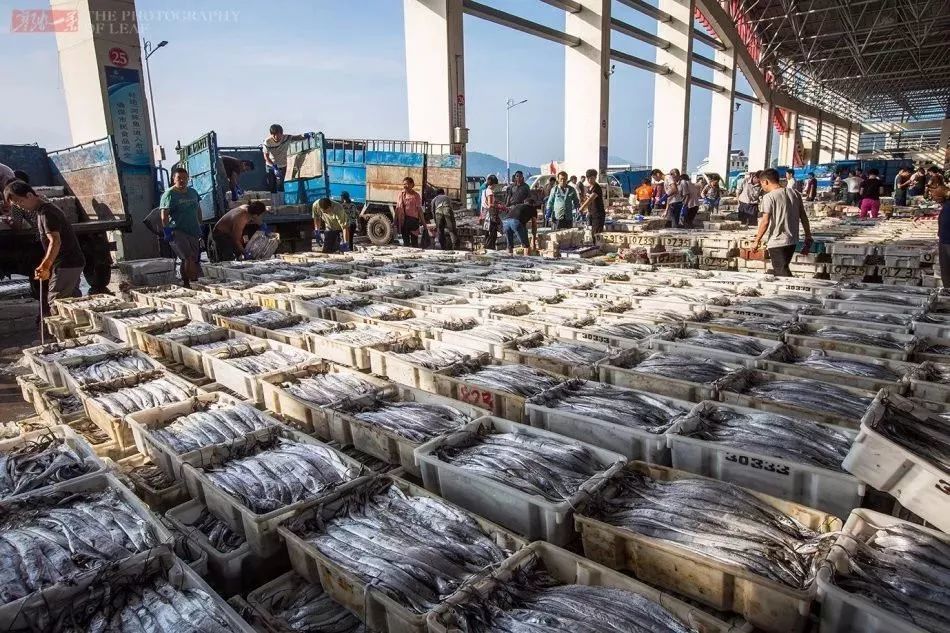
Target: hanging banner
129, 120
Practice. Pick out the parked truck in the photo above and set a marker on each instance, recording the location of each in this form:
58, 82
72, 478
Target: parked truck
371, 171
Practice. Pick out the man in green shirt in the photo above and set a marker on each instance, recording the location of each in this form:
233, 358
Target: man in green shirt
181, 219
331, 218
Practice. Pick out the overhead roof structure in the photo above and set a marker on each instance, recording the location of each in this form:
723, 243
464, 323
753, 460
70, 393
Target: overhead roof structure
872, 60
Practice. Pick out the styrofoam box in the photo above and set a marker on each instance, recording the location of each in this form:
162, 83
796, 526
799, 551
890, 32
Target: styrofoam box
47, 369
530, 515
144, 422
769, 605
821, 488
844, 612
385, 445
919, 485
569, 568
260, 530
92, 464
312, 418
379, 611
630, 441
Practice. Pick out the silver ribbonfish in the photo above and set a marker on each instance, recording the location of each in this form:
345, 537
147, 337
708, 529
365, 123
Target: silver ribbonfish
212, 425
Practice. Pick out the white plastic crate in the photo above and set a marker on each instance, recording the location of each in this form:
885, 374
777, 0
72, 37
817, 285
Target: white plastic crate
68, 366
907, 343
667, 343
386, 362
781, 366
218, 367
47, 369
93, 466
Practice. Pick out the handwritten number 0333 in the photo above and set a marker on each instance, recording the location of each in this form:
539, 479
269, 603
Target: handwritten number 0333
756, 463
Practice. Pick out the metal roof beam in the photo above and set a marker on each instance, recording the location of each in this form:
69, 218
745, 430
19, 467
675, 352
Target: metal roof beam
647, 9
644, 36
702, 83
709, 63
566, 5
638, 62
708, 40
491, 14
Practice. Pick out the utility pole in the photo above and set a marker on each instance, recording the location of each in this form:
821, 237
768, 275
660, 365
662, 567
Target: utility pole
509, 104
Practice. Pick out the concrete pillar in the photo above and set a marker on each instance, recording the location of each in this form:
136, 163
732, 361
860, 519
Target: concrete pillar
722, 113
787, 141
834, 142
825, 149
435, 75
587, 87
672, 91
760, 137
101, 67
944, 146
847, 145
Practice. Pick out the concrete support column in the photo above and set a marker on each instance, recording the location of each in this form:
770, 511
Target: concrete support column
587, 87
721, 113
100, 64
847, 145
787, 141
944, 146
834, 142
435, 75
672, 91
825, 148
760, 137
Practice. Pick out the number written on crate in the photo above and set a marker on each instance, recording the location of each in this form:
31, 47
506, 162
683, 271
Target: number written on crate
594, 337
943, 486
477, 397
757, 464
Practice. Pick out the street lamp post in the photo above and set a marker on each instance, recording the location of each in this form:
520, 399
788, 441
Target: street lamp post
509, 104
650, 144
149, 51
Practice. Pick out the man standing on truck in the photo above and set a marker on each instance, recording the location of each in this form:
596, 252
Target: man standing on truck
234, 167
275, 154
181, 219
409, 214
331, 218
229, 232
63, 261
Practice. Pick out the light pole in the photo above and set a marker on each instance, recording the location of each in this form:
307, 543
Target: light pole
149, 51
650, 143
509, 104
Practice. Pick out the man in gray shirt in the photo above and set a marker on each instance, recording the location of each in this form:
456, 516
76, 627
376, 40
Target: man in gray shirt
782, 210
518, 192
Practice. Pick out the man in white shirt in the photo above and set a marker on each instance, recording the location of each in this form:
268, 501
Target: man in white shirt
275, 149
674, 197
790, 181
853, 184
782, 210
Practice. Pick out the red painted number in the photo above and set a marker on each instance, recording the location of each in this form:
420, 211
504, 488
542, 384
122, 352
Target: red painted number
118, 57
477, 397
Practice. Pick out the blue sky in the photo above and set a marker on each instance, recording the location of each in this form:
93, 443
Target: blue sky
339, 66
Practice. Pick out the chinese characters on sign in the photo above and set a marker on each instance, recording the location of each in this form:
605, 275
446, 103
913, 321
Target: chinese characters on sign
44, 21
129, 121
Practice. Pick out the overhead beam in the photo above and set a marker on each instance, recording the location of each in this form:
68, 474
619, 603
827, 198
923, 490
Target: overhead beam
726, 30
708, 63
708, 39
647, 9
644, 36
741, 96
503, 18
637, 62
565, 5
708, 85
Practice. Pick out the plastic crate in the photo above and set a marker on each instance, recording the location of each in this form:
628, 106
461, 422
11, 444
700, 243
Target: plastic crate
148, 339
377, 610
245, 383
32, 388
908, 343
67, 365
385, 362
917, 484
383, 444
47, 369
868, 304
348, 354
77, 309
525, 354
612, 373
308, 416
570, 568
860, 382
821, 488
260, 530
524, 513
93, 465
158, 499
769, 605
661, 343
925, 389
116, 328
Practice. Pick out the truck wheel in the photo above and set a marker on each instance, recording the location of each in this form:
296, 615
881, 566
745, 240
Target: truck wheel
379, 229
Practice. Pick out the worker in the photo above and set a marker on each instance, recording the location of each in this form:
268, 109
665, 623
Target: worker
353, 212
63, 261
518, 192
712, 193
691, 202
488, 214
940, 194
443, 216
782, 211
561, 204
234, 167
837, 185
852, 188
918, 182
580, 189
901, 186
230, 233
275, 149
595, 203
331, 218
409, 214
659, 192
674, 198
516, 222
811, 187
871, 195
643, 196
749, 199
181, 220
790, 181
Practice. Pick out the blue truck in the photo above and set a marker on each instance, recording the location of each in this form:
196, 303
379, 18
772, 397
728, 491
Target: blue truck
371, 171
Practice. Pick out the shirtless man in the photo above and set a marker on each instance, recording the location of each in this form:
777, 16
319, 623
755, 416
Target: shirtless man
228, 232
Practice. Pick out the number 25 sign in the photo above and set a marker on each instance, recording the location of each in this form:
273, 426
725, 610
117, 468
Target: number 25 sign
118, 57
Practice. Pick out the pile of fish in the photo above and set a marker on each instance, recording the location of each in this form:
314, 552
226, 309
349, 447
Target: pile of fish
383, 312
538, 466
903, 570
891, 298
306, 607
768, 434
266, 360
681, 367
433, 358
499, 331
219, 535
624, 407
149, 475
60, 351
40, 462
364, 336
928, 437
622, 328
324, 389
890, 318
120, 366
147, 394
60, 535
734, 343
534, 601
230, 307
487, 287
189, 330
717, 520
937, 348
879, 339
932, 372
564, 351
133, 317
215, 424
228, 346
88, 429
339, 301
660, 316
757, 325
820, 359
416, 550
286, 473
517, 379
783, 306
395, 292
805, 393
416, 421
270, 319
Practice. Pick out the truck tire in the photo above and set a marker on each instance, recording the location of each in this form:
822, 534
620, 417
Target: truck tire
379, 229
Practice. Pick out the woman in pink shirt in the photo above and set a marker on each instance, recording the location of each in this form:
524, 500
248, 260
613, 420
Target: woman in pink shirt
409, 214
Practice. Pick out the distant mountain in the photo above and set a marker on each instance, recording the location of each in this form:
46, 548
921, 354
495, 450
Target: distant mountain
481, 164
